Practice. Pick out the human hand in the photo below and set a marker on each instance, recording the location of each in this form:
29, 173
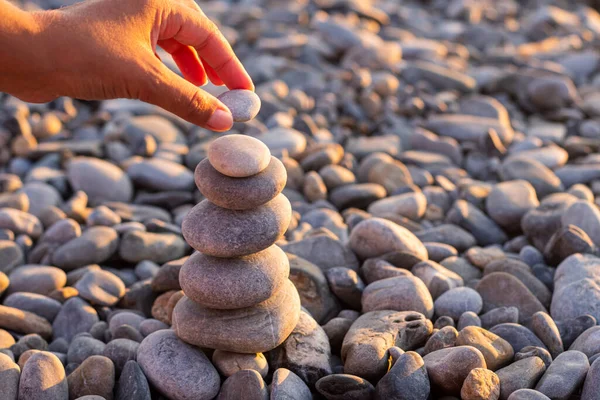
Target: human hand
105, 49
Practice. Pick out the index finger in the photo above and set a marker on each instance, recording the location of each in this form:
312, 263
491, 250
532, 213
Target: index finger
201, 33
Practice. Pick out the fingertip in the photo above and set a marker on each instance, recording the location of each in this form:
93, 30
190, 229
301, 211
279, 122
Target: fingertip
221, 120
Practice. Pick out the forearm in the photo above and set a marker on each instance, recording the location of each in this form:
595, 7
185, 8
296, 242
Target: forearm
22, 67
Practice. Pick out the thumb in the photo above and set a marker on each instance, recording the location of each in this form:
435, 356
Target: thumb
168, 90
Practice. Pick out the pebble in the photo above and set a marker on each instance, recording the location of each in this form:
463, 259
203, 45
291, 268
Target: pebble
527, 394
437, 278
160, 248
402, 293
132, 384
533, 351
248, 382
347, 285
11, 256
234, 283
451, 235
590, 386
517, 335
43, 378
120, 351
545, 328
343, 386
159, 174
178, 370
10, 372
509, 201
243, 104
443, 338
35, 303
100, 287
306, 351
496, 351
287, 385
94, 246
500, 289
95, 376
83, 346
448, 368
24, 322
365, 346
587, 342
564, 376
406, 379
99, 179
20, 222
219, 232
522, 374
455, 302
241, 193
469, 217
75, 316
313, 288
284, 139
481, 384
228, 363
250, 323
324, 251
238, 156
575, 290
375, 236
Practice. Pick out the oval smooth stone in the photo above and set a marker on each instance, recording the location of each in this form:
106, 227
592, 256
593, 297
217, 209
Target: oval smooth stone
230, 283
238, 156
243, 104
253, 329
240, 193
219, 232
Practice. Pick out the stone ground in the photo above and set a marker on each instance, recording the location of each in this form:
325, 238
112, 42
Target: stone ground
444, 178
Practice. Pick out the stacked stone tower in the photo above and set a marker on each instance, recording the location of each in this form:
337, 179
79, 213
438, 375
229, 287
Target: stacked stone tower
238, 297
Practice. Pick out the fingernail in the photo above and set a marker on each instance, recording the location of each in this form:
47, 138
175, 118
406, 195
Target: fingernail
221, 120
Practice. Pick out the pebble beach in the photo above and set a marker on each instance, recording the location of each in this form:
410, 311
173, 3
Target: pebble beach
406, 208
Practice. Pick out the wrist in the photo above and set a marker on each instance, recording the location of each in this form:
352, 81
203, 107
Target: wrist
26, 70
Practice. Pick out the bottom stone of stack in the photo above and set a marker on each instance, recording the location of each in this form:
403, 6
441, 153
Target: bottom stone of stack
253, 329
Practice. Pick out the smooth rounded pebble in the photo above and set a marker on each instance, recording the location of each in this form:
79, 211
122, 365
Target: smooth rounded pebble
243, 104
455, 302
99, 179
40, 279
230, 283
228, 363
242, 330
9, 378
401, 293
241, 193
24, 322
94, 246
75, 316
219, 232
448, 368
238, 156
376, 236
95, 376
176, 369
101, 287
248, 382
43, 378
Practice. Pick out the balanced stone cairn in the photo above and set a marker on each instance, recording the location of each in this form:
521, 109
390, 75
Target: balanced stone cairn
238, 297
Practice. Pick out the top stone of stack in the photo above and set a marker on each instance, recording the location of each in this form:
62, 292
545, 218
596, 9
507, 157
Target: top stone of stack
238, 156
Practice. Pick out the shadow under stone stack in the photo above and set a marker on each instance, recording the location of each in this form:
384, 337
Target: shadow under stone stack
238, 297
